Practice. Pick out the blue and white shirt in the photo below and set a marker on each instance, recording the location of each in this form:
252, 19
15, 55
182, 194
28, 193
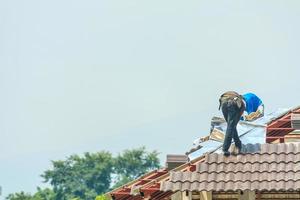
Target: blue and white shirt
252, 102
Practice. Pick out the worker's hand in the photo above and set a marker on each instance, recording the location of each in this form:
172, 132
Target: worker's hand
249, 117
253, 116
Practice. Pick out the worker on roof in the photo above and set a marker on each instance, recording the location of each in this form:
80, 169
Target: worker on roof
235, 107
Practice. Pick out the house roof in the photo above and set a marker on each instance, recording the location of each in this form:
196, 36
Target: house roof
272, 167
151, 184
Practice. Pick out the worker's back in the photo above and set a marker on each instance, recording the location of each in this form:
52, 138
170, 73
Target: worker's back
231, 95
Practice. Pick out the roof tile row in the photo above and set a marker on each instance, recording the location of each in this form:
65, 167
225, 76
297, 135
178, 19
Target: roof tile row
234, 176
249, 167
289, 185
252, 158
271, 167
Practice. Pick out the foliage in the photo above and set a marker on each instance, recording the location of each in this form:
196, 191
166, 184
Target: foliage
131, 164
82, 177
41, 194
85, 177
101, 197
44, 194
19, 196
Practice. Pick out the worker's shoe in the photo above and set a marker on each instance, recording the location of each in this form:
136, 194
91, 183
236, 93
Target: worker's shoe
226, 153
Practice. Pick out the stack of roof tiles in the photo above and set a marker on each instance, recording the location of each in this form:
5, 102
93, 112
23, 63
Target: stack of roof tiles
174, 161
295, 121
263, 167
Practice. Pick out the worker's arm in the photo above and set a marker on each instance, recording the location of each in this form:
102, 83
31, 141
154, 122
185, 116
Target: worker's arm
255, 115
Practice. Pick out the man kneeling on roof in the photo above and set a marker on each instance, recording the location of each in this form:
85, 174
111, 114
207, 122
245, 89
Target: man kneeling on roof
234, 107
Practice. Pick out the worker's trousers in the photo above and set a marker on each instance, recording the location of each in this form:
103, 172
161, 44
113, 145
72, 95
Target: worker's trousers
232, 114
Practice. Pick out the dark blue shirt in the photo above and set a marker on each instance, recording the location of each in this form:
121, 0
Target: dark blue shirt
252, 102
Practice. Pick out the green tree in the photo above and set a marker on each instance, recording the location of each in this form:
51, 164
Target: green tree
19, 196
41, 194
44, 194
85, 177
101, 197
131, 164
81, 177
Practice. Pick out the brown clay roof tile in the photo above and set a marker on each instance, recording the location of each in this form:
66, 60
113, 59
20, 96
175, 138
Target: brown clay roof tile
267, 167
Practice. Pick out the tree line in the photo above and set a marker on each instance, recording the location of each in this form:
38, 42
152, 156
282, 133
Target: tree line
88, 176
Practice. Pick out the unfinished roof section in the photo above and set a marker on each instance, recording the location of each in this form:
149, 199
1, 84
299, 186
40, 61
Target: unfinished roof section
282, 128
131, 190
274, 167
273, 127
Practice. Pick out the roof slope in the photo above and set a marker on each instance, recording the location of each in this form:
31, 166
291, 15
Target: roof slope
271, 167
150, 183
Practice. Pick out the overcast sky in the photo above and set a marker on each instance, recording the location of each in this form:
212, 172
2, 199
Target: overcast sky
94, 75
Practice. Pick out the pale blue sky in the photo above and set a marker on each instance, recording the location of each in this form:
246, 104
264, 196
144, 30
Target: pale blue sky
80, 76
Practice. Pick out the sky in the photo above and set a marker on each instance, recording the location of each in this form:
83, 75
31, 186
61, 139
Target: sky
78, 76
